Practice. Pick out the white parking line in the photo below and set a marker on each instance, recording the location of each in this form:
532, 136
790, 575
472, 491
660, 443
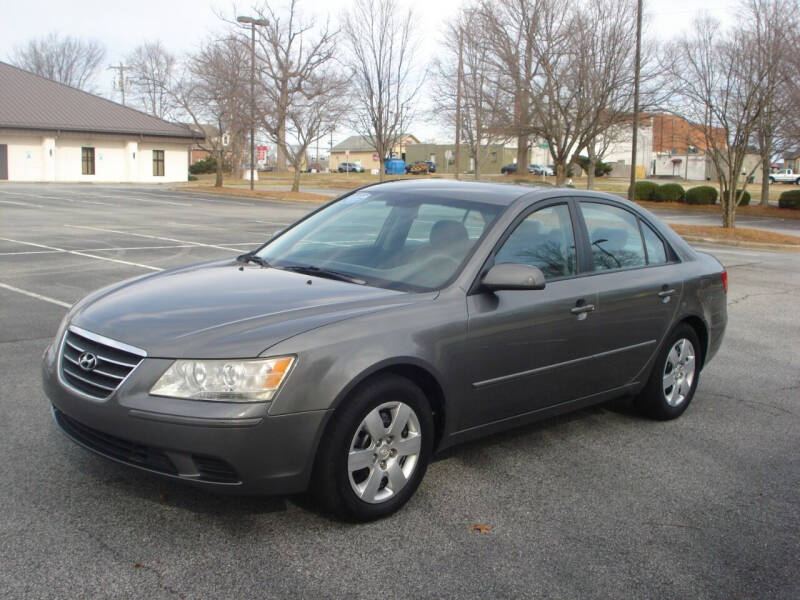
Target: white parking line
122, 197
26, 204
197, 196
152, 237
37, 196
34, 295
79, 253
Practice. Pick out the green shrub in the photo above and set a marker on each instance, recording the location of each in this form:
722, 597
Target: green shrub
745, 198
192, 178
600, 168
644, 190
205, 165
702, 194
790, 199
669, 192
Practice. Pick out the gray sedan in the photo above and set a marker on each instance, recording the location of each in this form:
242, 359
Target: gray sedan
391, 323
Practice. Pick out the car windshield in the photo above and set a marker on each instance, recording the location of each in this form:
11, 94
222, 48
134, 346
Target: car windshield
384, 239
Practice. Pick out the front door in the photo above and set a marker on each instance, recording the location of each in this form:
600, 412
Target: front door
527, 346
3, 161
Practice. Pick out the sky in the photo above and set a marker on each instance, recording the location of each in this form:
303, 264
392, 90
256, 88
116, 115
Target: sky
182, 25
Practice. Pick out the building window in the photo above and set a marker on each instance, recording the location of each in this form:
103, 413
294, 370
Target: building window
87, 160
158, 163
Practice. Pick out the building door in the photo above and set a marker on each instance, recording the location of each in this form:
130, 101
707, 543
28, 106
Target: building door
3, 161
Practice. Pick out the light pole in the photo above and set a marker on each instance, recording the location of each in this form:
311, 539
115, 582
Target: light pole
252, 22
637, 67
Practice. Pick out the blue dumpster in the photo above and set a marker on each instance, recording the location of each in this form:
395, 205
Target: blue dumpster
395, 166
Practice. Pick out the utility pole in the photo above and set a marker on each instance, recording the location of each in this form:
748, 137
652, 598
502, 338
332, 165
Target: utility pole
637, 68
121, 68
252, 22
458, 99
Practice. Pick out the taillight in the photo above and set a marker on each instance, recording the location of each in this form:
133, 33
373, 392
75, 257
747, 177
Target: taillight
725, 281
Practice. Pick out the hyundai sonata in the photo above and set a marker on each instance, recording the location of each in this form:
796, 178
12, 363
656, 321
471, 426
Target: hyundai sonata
391, 323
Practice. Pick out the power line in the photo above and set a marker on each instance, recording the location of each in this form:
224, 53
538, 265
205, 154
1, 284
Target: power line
122, 81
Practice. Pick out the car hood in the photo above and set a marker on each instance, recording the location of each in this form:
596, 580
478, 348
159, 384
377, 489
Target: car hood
225, 310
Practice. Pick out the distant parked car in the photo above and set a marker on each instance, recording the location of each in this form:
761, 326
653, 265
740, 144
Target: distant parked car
421, 166
539, 170
785, 176
508, 169
351, 167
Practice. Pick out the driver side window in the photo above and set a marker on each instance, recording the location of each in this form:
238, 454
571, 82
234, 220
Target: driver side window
544, 239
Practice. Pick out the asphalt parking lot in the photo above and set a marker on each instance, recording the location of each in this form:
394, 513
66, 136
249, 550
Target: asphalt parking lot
597, 504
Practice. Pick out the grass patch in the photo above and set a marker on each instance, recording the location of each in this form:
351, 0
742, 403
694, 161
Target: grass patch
739, 234
265, 194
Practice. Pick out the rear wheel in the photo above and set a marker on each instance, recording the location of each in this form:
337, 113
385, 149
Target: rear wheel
674, 378
375, 451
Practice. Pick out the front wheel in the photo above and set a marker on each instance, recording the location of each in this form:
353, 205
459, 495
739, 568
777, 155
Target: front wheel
772, 180
375, 450
797, 181
674, 378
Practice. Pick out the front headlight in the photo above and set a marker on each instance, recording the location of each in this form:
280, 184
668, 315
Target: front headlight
252, 380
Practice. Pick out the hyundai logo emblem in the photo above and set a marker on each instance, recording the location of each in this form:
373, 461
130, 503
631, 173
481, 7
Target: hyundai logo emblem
87, 361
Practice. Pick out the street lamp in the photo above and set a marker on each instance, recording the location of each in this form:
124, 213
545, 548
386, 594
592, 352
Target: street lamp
252, 22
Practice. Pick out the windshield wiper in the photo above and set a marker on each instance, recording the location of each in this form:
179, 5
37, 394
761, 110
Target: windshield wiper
328, 273
252, 257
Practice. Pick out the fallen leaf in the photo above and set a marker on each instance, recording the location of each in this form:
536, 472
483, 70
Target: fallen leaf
480, 528
137, 566
162, 497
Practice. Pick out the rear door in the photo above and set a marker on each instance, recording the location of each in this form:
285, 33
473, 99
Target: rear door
527, 346
634, 274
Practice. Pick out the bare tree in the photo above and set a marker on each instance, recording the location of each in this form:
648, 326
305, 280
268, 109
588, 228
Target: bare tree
510, 29
566, 67
69, 60
769, 27
585, 83
311, 115
214, 94
293, 54
480, 126
384, 72
151, 72
722, 82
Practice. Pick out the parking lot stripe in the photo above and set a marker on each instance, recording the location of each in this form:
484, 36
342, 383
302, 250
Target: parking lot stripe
152, 237
26, 204
79, 253
5, 286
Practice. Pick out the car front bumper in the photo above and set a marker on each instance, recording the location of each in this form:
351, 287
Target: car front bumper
233, 447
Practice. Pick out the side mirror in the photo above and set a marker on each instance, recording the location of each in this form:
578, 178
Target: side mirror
513, 276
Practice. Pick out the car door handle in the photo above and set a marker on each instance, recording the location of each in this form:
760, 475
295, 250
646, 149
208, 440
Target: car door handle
667, 293
584, 308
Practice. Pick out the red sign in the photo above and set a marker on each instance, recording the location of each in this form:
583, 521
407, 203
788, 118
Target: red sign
262, 152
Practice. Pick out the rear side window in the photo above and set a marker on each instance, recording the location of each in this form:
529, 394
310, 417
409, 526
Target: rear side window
613, 236
543, 239
656, 252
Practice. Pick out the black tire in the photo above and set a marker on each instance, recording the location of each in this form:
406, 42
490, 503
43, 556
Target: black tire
652, 401
772, 180
331, 483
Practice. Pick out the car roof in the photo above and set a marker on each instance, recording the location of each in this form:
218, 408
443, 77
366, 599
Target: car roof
501, 194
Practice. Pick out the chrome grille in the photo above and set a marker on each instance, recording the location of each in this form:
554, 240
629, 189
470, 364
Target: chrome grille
99, 378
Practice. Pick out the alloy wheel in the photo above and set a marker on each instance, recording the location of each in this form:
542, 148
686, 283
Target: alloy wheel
679, 372
384, 452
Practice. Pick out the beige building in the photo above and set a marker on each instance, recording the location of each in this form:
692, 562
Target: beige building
357, 149
52, 132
